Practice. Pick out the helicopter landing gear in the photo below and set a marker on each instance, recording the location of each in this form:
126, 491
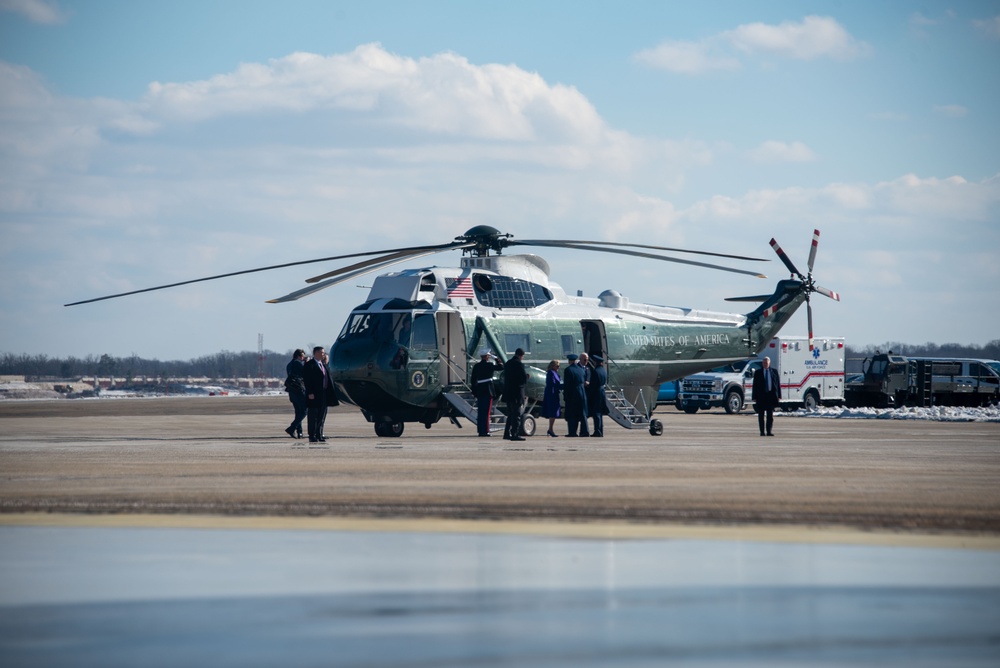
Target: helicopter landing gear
655, 427
389, 429
527, 425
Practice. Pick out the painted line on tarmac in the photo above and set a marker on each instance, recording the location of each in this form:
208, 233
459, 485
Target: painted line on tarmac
802, 534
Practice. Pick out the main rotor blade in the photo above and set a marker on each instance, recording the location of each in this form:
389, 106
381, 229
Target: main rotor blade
556, 243
784, 258
386, 261
660, 257
827, 292
447, 246
812, 250
750, 298
401, 255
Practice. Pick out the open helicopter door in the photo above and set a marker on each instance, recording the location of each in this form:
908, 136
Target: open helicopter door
595, 340
452, 349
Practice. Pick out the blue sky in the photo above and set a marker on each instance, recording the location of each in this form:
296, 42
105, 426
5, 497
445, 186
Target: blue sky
144, 143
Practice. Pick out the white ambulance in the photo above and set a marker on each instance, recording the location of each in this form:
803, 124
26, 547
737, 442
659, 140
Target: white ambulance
809, 378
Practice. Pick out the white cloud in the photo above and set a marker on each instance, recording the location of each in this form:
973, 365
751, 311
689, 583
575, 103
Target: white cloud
36, 11
951, 110
688, 57
443, 94
813, 37
989, 27
778, 151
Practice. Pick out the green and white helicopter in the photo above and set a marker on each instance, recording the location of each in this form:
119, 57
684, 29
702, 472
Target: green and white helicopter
406, 353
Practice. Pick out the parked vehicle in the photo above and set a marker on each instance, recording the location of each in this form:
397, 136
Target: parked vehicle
668, 393
892, 381
809, 378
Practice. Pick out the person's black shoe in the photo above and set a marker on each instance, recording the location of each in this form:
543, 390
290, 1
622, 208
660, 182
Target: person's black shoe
321, 439
290, 432
313, 440
770, 434
519, 438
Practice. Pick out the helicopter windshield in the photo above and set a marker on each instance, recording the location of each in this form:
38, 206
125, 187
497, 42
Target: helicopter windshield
396, 336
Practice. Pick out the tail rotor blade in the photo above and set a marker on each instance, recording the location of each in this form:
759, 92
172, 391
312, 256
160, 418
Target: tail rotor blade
809, 318
835, 296
784, 258
812, 250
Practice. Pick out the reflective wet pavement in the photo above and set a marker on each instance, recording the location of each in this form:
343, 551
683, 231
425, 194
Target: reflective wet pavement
72, 596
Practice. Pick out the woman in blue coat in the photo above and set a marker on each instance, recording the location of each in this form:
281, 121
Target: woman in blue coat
550, 401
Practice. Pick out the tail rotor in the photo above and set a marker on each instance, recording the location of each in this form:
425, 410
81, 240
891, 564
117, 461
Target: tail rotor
809, 283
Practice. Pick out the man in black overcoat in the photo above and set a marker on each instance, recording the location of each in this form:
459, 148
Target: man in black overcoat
319, 393
596, 401
766, 395
515, 378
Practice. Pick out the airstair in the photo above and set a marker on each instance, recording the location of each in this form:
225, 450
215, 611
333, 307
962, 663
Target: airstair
626, 414
465, 403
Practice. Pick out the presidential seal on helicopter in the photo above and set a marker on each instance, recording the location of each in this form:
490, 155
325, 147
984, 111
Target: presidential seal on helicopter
405, 354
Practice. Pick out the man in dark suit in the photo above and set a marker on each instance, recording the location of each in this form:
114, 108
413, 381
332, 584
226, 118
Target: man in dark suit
596, 401
766, 395
319, 391
482, 387
515, 378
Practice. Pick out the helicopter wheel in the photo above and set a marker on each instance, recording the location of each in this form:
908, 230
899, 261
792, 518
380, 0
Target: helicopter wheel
527, 425
655, 428
389, 429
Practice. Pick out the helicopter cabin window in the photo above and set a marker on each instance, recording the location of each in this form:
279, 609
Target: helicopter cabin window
568, 344
507, 292
514, 341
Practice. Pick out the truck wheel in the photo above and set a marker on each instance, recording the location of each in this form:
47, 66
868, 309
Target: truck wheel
527, 425
811, 400
734, 402
655, 427
690, 410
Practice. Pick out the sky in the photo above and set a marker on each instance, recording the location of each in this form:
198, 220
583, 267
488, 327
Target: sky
144, 143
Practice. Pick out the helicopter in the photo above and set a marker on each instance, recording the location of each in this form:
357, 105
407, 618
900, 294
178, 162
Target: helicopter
405, 354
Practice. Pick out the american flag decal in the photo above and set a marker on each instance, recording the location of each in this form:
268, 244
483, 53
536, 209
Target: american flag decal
460, 288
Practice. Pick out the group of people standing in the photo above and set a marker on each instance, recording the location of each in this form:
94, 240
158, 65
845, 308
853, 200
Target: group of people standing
582, 384
583, 390
311, 392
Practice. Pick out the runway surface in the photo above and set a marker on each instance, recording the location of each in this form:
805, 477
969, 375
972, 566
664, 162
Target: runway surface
192, 531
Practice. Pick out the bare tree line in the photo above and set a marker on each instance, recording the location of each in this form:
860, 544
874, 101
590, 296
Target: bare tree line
226, 364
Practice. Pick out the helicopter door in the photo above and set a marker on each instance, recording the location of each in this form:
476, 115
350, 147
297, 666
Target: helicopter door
595, 338
452, 348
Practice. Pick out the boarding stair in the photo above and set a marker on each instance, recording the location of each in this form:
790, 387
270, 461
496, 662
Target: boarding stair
626, 414
459, 396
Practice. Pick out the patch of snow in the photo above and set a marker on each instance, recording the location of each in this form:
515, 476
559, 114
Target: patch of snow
935, 413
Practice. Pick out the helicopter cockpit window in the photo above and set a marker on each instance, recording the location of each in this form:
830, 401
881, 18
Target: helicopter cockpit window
424, 336
507, 292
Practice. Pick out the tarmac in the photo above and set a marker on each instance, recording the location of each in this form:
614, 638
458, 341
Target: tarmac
160, 531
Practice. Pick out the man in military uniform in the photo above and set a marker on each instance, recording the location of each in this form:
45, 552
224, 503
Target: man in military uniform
596, 402
482, 388
574, 391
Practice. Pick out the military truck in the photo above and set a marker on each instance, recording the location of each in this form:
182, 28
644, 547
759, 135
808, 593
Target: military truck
893, 381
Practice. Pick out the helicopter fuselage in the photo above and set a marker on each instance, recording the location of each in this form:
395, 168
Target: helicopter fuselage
418, 333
